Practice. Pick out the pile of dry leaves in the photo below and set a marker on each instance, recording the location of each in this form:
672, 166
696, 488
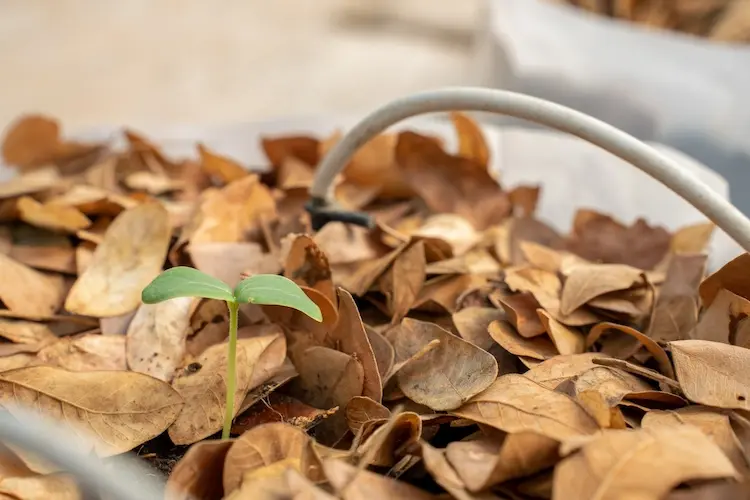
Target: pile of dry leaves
721, 20
467, 350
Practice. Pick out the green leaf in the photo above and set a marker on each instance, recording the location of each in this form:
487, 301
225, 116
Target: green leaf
185, 282
275, 290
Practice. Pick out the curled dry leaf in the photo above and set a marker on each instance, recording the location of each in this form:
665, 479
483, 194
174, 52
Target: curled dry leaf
86, 352
448, 375
112, 411
521, 311
587, 282
692, 239
307, 265
557, 370
131, 255
361, 410
731, 276
352, 483
713, 374
453, 229
220, 167
156, 337
665, 365
713, 423
205, 391
198, 474
402, 283
445, 475
615, 385
621, 464
486, 461
720, 321
567, 340
55, 218
267, 445
535, 348
450, 183
278, 149
514, 403
391, 440
280, 408
29, 292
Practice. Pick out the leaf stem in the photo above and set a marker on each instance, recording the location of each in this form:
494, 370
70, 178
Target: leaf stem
231, 369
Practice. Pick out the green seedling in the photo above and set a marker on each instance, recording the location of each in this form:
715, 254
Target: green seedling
261, 289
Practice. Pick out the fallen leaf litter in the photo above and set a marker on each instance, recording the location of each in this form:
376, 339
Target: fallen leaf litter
467, 349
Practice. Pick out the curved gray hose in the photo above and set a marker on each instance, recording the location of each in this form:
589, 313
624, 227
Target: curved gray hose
124, 478
720, 211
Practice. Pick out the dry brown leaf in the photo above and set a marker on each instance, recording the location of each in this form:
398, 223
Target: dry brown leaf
504, 334
361, 410
449, 183
676, 310
229, 261
445, 475
36, 181
391, 440
205, 391
486, 461
51, 217
402, 283
29, 292
599, 238
40, 487
554, 371
385, 355
131, 255
567, 340
359, 280
587, 282
267, 445
692, 239
280, 408
665, 365
220, 167
112, 411
613, 384
31, 140
514, 403
41, 249
86, 352
156, 337
456, 231
520, 309
198, 474
446, 376
26, 332
307, 265
373, 164
731, 276
286, 484
471, 141
621, 464
279, 149
712, 374
713, 423
720, 321
352, 483
472, 324
344, 243
91, 200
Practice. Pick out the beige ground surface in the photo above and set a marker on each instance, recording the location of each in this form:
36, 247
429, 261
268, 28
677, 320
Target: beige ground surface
191, 61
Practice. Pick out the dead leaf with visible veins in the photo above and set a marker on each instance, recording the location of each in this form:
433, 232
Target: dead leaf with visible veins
280, 408
402, 283
713, 423
198, 474
361, 410
621, 464
450, 183
28, 292
713, 374
587, 282
156, 337
131, 255
559, 369
267, 445
86, 352
514, 403
111, 411
446, 376
204, 391
489, 460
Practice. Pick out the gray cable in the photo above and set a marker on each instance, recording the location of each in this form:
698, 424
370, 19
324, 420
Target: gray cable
125, 479
720, 211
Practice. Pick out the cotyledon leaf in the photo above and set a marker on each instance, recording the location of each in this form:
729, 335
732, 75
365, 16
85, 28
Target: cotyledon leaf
185, 282
275, 290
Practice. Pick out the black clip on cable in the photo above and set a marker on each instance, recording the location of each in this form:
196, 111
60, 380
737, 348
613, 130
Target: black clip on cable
321, 213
